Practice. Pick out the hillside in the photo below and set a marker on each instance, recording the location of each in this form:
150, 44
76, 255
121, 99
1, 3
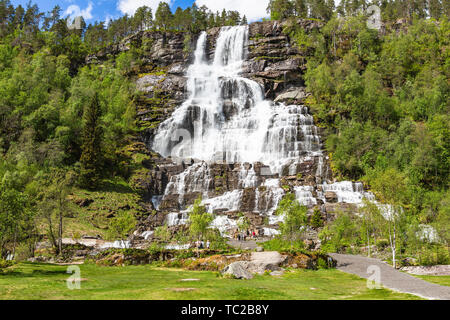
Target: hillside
326, 121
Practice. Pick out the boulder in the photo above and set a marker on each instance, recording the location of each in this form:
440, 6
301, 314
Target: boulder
331, 197
295, 94
238, 270
266, 261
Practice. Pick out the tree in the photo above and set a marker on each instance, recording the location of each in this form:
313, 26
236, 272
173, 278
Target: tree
301, 8
13, 214
295, 218
243, 223
390, 186
280, 9
122, 225
142, 19
91, 156
163, 16
55, 203
199, 220
369, 213
316, 219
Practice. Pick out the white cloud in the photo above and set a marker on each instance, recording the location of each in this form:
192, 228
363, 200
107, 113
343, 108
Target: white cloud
252, 9
130, 6
75, 11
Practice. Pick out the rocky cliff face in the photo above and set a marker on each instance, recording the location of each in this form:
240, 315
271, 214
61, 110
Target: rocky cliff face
171, 186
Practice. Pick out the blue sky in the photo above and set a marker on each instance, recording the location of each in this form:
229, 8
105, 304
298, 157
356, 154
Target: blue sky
102, 10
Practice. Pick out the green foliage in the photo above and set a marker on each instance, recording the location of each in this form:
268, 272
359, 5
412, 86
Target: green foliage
294, 218
163, 233
91, 156
341, 234
384, 106
243, 223
281, 245
15, 219
5, 264
434, 255
317, 219
122, 225
280, 9
199, 221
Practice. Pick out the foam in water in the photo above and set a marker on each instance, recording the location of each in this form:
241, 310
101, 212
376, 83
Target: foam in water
228, 202
223, 223
177, 219
120, 244
304, 196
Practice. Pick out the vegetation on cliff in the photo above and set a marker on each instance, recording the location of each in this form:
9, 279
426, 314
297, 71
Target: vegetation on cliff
382, 98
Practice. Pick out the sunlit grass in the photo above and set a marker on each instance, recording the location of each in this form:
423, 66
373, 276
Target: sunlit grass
39, 281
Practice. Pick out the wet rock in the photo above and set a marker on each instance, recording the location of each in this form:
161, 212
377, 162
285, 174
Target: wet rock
294, 95
331, 197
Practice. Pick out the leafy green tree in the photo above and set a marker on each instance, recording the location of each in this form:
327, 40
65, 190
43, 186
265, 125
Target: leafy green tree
163, 233
280, 9
317, 219
295, 219
243, 223
54, 206
163, 16
91, 157
341, 234
199, 221
13, 215
121, 226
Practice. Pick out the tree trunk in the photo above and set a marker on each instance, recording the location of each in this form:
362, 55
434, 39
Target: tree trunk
14, 244
60, 228
51, 234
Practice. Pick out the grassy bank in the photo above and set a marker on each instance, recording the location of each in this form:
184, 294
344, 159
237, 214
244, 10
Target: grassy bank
38, 281
441, 280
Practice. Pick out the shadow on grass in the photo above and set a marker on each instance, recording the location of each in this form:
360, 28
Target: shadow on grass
110, 186
33, 271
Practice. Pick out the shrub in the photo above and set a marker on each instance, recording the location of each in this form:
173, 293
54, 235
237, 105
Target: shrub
5, 264
316, 219
434, 255
322, 263
278, 244
382, 244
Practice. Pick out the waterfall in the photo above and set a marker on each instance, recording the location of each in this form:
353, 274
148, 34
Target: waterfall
226, 119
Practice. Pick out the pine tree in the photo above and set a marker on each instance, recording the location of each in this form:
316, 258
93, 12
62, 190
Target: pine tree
91, 149
163, 16
280, 9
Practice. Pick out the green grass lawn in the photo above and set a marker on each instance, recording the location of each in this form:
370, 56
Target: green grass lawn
39, 281
442, 280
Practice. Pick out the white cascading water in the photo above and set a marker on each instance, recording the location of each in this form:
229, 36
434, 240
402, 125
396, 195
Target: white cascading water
227, 119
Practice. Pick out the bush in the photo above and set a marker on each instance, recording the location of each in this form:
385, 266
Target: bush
5, 264
280, 245
434, 255
382, 244
316, 219
322, 263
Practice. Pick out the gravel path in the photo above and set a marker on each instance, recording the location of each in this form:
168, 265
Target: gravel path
391, 278
251, 245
